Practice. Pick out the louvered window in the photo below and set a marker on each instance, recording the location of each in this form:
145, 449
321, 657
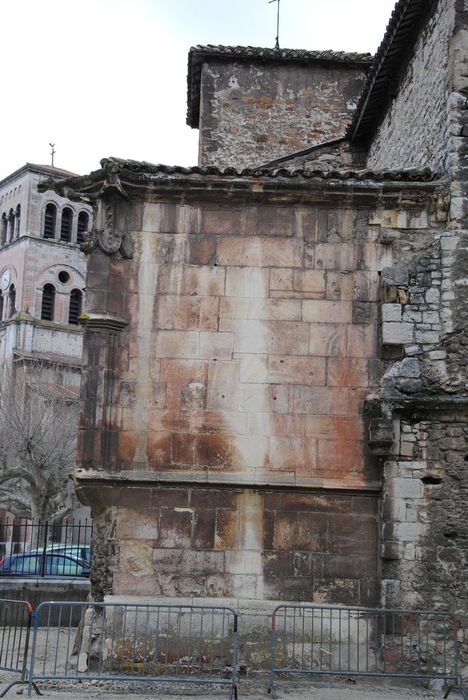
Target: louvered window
83, 223
4, 228
1, 306
49, 221
48, 302
66, 227
75, 306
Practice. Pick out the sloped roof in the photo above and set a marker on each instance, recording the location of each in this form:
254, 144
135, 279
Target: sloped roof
199, 54
34, 167
394, 51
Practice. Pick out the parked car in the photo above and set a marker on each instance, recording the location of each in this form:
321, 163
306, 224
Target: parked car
72, 550
34, 564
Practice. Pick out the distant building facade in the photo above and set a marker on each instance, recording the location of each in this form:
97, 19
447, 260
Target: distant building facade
42, 287
42, 269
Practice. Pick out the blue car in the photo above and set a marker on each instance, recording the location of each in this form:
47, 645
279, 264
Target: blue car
35, 564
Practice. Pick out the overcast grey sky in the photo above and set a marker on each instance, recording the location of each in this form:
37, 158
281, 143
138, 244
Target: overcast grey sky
108, 77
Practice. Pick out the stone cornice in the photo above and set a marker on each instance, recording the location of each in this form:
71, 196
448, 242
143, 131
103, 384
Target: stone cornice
94, 321
85, 477
128, 180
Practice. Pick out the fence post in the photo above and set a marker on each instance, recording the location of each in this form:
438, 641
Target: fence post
21, 606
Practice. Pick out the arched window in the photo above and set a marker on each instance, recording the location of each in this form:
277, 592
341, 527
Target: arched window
11, 300
4, 228
17, 221
74, 311
11, 225
83, 223
50, 218
48, 302
66, 226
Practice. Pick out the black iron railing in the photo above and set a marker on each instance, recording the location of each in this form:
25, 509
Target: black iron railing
45, 549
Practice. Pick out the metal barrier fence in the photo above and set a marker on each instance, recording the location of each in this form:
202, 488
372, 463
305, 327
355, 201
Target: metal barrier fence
44, 549
333, 640
15, 628
170, 643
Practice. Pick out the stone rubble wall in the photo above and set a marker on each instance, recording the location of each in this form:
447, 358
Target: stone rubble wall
252, 113
413, 131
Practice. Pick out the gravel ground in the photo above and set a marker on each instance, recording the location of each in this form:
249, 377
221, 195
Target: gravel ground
251, 689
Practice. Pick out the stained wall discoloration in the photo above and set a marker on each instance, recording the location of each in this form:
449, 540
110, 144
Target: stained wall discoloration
244, 544
251, 343
220, 359
253, 112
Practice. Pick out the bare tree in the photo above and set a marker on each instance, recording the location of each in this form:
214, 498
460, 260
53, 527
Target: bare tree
39, 407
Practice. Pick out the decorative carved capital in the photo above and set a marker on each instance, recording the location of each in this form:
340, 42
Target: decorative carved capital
109, 242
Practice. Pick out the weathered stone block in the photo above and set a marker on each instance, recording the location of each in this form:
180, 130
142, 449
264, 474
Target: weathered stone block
309, 281
293, 453
342, 456
262, 309
318, 311
187, 312
276, 337
281, 279
397, 333
327, 339
287, 369
407, 488
392, 312
249, 282
361, 341
216, 346
260, 252
347, 372
200, 280
174, 344
260, 397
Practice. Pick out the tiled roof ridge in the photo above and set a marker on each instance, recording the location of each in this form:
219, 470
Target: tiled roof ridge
281, 54
412, 174
197, 53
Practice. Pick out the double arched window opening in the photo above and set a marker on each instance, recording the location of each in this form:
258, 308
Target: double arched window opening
10, 226
48, 304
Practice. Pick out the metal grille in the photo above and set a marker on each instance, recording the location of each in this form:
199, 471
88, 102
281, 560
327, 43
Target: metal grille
15, 630
180, 643
363, 641
42, 549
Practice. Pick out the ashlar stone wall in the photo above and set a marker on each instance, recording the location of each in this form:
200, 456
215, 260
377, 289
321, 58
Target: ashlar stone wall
227, 365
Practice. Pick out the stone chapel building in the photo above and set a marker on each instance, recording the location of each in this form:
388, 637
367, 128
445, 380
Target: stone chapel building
275, 389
